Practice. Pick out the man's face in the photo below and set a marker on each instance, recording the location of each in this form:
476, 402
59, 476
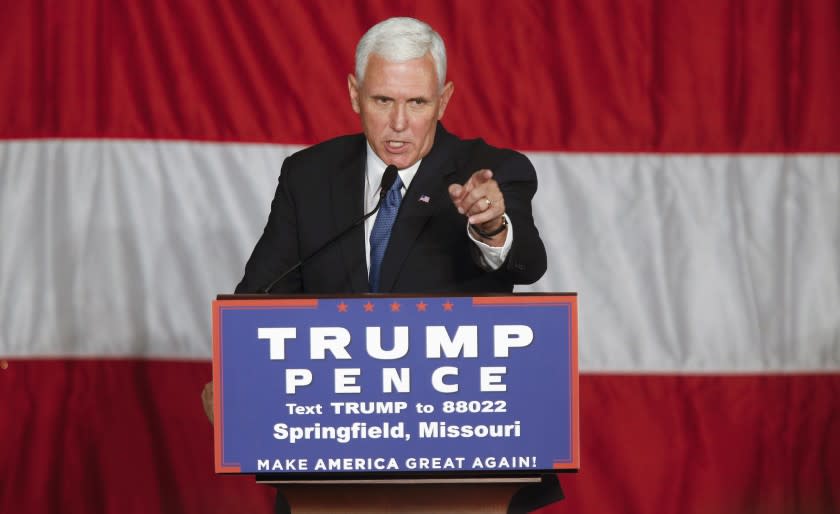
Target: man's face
399, 105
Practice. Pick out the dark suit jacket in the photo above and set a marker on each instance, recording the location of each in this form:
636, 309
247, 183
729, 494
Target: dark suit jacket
321, 191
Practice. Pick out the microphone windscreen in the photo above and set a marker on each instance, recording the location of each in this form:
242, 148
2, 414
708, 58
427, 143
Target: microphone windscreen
388, 179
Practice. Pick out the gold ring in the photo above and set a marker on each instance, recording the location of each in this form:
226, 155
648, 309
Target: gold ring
489, 203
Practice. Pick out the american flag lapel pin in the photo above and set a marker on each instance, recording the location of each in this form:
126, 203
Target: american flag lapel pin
424, 199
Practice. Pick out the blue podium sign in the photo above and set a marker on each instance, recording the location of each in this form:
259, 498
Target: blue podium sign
381, 385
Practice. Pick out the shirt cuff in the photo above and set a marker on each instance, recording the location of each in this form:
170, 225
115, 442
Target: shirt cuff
492, 257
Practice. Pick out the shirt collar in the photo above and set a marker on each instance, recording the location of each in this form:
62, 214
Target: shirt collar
375, 168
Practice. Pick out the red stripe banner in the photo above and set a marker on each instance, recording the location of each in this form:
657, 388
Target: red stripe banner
642, 76
129, 436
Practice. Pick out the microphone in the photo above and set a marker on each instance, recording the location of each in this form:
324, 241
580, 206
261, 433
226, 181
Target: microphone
388, 179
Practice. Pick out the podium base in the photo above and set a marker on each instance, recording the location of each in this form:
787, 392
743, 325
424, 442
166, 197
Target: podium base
461, 496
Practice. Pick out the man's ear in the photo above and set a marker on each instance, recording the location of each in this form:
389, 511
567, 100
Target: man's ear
448, 89
353, 88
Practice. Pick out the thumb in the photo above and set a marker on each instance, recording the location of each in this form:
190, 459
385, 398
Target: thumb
482, 176
455, 191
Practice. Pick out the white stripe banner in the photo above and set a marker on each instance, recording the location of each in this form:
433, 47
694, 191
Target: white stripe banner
683, 263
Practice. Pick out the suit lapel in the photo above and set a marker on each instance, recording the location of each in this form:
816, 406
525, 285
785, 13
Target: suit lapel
347, 190
426, 196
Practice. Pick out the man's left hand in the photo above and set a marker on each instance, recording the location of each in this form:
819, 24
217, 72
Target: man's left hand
207, 400
482, 202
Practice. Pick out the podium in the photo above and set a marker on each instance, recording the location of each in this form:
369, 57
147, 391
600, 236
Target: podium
480, 496
415, 404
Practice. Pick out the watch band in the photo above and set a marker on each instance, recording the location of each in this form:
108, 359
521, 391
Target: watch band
495, 232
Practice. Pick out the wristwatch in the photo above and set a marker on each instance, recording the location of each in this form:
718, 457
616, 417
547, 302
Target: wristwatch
488, 235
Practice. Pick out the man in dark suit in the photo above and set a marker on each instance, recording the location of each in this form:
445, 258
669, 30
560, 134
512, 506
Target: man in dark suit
321, 190
459, 217
464, 223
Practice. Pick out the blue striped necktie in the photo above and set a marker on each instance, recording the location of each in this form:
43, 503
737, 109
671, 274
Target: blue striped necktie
381, 232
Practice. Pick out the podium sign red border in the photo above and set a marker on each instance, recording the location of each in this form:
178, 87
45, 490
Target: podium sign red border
235, 302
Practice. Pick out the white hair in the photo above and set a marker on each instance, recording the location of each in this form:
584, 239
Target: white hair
400, 40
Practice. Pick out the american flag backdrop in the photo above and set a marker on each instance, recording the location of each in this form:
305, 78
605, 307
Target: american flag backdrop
688, 155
